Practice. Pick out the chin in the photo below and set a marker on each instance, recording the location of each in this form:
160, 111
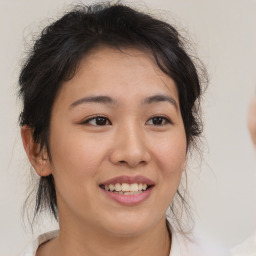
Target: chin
128, 225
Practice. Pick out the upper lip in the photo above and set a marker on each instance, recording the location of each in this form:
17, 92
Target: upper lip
128, 180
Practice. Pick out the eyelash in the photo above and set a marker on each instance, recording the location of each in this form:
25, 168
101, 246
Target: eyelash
165, 119
87, 121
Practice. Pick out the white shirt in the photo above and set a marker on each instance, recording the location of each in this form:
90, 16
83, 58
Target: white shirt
180, 246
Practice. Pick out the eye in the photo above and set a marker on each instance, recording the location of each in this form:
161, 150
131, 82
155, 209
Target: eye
158, 120
97, 121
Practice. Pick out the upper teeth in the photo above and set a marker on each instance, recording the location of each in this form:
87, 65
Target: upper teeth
125, 187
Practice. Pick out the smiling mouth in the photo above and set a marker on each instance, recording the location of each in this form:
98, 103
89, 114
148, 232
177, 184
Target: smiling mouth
126, 189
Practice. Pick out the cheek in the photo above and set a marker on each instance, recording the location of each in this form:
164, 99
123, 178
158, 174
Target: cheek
170, 159
171, 155
75, 164
75, 156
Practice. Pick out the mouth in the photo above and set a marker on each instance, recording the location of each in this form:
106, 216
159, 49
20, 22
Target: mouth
126, 189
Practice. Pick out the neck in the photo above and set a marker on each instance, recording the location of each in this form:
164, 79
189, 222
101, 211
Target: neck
80, 239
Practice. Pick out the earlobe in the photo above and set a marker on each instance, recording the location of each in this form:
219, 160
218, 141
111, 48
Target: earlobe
37, 156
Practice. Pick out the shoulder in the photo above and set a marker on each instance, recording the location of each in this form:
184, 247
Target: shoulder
33, 246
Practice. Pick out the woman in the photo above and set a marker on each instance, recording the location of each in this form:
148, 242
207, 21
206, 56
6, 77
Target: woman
110, 112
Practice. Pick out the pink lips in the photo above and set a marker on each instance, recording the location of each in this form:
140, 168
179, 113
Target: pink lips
129, 180
129, 200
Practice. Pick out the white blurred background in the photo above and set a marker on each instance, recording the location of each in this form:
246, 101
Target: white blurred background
224, 186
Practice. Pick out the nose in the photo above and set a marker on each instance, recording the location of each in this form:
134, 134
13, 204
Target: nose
129, 148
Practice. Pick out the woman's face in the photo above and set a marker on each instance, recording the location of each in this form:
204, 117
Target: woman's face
116, 125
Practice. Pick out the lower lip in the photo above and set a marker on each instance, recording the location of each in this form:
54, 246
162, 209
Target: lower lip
129, 199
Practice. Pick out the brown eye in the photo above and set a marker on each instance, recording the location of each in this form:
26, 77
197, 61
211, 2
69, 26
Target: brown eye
158, 120
97, 121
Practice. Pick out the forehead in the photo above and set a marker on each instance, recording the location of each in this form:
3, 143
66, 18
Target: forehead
107, 54
121, 73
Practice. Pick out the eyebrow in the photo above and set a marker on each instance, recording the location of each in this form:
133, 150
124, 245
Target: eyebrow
94, 99
161, 98
108, 100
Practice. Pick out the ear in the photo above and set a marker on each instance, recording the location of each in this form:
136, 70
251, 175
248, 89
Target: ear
38, 157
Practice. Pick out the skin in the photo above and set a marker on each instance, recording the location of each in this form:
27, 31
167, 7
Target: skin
85, 154
252, 119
